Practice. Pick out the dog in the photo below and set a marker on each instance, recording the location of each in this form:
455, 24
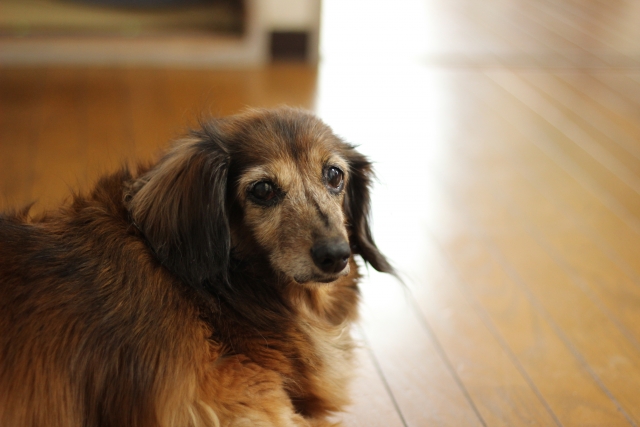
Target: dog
215, 287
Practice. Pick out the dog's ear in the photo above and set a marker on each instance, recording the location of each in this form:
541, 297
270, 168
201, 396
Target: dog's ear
180, 207
357, 205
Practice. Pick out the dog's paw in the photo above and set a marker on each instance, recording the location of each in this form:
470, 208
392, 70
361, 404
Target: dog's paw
243, 394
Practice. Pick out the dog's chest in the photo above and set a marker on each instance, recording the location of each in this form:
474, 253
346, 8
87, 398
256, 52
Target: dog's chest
335, 346
333, 350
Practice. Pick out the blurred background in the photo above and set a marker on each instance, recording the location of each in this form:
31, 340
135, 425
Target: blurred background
506, 139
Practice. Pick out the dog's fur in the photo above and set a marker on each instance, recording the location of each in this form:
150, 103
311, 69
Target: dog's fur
169, 297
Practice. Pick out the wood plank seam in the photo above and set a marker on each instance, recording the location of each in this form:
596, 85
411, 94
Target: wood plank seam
385, 382
525, 169
443, 355
513, 274
580, 176
490, 325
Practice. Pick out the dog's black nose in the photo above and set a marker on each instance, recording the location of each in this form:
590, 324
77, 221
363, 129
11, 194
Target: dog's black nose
331, 256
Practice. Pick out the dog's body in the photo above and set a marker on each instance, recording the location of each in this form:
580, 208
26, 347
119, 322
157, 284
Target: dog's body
215, 287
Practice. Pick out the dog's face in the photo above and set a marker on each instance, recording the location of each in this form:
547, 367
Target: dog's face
292, 198
275, 183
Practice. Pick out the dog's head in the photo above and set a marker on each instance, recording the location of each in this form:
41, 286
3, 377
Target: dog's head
276, 184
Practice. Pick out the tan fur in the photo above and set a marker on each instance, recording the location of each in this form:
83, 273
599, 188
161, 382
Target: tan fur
172, 297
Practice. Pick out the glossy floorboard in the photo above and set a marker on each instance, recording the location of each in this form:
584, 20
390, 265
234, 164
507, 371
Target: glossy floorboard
506, 137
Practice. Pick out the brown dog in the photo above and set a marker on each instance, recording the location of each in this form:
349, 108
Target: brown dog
214, 288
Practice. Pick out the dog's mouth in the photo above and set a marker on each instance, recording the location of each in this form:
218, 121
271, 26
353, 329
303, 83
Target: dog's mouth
321, 278
315, 279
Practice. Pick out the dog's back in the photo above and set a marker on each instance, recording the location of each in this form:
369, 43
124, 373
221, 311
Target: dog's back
85, 309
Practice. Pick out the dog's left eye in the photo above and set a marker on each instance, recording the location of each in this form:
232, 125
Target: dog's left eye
334, 178
264, 192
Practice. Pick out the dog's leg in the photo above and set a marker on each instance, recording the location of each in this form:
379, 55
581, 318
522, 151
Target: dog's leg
243, 394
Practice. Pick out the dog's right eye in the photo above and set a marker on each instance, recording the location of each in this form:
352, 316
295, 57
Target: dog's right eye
334, 179
264, 193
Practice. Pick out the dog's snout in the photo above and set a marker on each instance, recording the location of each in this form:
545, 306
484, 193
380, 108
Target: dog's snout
331, 256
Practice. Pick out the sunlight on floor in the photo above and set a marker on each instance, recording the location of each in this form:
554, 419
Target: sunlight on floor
375, 93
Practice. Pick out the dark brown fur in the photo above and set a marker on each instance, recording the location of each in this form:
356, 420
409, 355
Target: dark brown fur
166, 297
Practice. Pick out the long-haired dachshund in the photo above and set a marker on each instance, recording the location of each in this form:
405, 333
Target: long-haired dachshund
213, 288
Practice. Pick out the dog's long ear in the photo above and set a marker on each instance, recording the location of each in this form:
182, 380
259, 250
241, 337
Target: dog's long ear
180, 207
357, 205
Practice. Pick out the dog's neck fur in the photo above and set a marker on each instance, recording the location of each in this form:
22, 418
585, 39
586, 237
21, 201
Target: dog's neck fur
251, 278
252, 283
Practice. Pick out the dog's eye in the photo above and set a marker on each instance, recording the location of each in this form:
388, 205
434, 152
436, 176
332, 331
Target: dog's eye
264, 192
334, 178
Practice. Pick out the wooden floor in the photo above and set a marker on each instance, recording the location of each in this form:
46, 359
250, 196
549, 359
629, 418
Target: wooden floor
506, 137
